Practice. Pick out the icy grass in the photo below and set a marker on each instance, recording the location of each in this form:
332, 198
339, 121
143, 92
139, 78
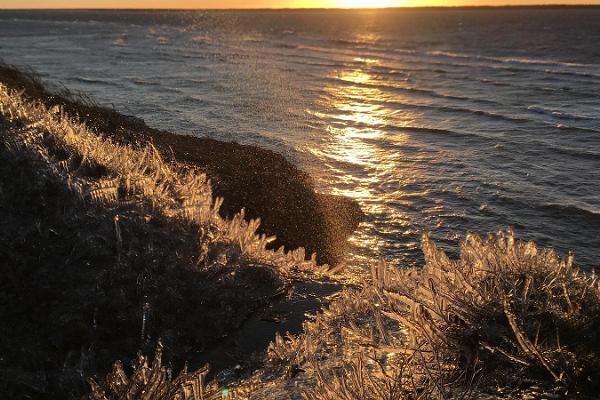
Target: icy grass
504, 320
505, 315
98, 170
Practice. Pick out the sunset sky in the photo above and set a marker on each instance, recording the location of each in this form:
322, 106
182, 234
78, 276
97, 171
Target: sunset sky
266, 3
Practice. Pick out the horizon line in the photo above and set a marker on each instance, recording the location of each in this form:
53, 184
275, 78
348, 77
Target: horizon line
581, 5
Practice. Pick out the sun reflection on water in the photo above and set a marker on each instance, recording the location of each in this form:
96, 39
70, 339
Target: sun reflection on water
357, 120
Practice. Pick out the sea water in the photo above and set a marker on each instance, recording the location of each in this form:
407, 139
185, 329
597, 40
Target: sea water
440, 121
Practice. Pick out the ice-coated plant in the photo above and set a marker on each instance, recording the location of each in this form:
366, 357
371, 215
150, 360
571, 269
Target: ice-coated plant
504, 312
99, 170
505, 315
155, 381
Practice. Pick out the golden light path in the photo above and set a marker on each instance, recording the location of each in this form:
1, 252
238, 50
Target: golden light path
367, 3
357, 117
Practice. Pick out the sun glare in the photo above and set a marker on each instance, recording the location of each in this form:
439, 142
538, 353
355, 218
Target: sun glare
366, 3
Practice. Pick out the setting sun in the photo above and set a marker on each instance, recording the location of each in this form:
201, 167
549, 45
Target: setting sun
366, 3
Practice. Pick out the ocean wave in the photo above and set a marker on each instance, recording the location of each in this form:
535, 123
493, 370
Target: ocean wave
390, 86
572, 209
251, 38
520, 60
194, 99
557, 210
559, 114
93, 81
442, 60
587, 154
436, 131
206, 39
142, 82
401, 104
576, 128
414, 61
288, 46
350, 43
573, 73
333, 119
119, 42
543, 148
512, 60
515, 64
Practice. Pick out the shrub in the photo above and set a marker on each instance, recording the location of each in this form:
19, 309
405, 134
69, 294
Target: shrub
108, 247
504, 309
505, 315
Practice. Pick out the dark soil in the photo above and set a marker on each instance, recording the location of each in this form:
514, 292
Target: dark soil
261, 181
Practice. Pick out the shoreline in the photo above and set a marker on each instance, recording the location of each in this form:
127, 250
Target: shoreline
247, 177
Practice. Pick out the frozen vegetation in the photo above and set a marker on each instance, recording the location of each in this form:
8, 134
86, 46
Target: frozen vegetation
505, 317
505, 320
109, 247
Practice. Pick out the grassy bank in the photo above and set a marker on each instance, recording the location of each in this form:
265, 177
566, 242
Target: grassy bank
260, 181
107, 247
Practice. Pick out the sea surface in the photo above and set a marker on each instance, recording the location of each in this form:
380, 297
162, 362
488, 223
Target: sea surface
436, 121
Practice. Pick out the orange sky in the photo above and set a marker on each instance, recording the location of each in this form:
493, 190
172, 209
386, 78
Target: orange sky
265, 3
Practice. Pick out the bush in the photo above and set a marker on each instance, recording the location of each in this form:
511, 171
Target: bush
506, 315
505, 309
108, 247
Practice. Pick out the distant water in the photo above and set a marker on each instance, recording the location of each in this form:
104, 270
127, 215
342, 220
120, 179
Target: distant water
434, 121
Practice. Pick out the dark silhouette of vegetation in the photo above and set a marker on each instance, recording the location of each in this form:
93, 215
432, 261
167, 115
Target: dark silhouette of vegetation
106, 248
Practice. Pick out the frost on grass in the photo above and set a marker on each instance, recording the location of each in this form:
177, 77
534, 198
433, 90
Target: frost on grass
154, 381
100, 171
111, 248
504, 316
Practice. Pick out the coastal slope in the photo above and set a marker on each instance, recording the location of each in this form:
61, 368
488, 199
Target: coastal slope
108, 249
262, 182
